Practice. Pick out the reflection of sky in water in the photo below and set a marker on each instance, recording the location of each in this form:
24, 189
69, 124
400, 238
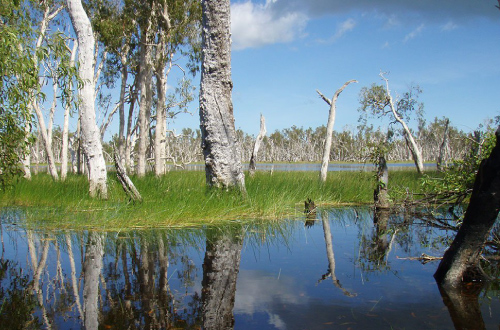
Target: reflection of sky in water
279, 284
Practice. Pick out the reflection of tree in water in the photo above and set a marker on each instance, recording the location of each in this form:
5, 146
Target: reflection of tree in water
137, 285
16, 298
331, 257
220, 271
376, 245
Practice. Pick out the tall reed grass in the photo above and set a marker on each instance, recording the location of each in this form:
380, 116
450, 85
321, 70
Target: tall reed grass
182, 199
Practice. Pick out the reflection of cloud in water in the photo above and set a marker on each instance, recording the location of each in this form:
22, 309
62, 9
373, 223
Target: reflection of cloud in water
276, 320
259, 292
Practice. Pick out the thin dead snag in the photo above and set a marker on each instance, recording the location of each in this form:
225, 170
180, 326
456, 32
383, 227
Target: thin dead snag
460, 262
329, 128
262, 133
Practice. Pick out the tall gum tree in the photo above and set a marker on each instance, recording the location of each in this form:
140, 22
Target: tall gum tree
91, 140
220, 149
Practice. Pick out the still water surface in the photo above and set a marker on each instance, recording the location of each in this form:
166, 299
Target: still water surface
340, 271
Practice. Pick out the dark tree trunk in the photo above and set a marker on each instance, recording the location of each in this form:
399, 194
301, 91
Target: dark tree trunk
220, 271
461, 261
380, 195
464, 308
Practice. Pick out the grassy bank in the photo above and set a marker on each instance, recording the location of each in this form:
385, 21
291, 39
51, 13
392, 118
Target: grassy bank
182, 199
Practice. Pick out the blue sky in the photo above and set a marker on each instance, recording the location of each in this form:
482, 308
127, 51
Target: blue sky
283, 50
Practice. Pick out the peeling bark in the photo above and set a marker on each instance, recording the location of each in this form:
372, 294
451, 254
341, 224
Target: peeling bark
91, 141
222, 157
220, 272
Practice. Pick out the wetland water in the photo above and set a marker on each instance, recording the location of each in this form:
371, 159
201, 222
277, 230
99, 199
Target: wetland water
340, 271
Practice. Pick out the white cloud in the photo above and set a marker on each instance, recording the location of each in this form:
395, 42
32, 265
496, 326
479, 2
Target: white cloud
449, 26
256, 25
342, 29
414, 33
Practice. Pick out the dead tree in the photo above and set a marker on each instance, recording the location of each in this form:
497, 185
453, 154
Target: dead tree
381, 195
460, 262
127, 184
253, 160
443, 146
329, 128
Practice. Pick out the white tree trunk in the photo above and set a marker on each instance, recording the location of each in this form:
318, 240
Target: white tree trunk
145, 77
412, 144
161, 73
220, 149
65, 132
47, 17
443, 147
91, 141
329, 129
252, 167
92, 266
46, 141
121, 110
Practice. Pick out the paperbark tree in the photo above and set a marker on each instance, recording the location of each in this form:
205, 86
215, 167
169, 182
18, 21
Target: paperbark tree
222, 157
262, 133
145, 98
378, 101
460, 262
220, 272
92, 267
91, 141
329, 129
65, 134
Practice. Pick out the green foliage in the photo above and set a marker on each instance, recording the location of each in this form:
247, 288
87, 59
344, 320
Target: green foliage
17, 79
17, 302
457, 181
375, 103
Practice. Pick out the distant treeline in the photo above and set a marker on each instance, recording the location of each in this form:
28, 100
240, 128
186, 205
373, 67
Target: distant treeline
298, 144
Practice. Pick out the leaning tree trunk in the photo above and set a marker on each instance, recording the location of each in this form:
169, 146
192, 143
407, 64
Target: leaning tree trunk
252, 167
329, 128
91, 139
460, 262
410, 140
222, 157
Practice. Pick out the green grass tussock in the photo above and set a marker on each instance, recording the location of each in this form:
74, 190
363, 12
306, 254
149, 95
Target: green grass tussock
181, 198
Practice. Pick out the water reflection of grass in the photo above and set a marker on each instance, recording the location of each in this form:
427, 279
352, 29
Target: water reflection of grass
182, 198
